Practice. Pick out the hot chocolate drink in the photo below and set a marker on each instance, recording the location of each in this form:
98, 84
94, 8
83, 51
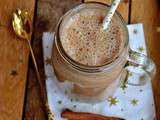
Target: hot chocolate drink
87, 57
84, 40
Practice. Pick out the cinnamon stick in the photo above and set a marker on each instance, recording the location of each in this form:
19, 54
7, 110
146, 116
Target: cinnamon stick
70, 115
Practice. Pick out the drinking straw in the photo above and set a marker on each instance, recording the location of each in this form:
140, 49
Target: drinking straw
110, 14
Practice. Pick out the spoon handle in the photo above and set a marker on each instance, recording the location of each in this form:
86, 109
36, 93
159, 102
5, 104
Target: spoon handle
43, 93
36, 68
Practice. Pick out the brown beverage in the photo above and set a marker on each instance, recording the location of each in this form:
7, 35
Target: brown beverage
84, 40
82, 49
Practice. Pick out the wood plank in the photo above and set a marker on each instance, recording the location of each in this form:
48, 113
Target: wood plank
123, 7
32, 107
45, 21
146, 11
13, 61
48, 14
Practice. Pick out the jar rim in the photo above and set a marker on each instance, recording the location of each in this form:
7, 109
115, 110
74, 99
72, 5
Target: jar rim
76, 64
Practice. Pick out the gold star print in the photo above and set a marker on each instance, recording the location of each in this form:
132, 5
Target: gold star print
59, 102
112, 101
128, 63
141, 90
135, 31
130, 74
134, 102
48, 61
74, 106
123, 86
122, 109
141, 49
134, 55
50, 115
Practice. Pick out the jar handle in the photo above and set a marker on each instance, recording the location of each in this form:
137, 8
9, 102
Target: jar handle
140, 67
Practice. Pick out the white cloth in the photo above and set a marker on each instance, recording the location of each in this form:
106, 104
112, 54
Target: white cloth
132, 103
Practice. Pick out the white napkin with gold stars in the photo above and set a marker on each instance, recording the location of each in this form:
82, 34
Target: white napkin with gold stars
130, 102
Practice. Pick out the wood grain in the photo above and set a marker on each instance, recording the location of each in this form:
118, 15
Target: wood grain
48, 14
123, 7
13, 61
146, 11
85, 116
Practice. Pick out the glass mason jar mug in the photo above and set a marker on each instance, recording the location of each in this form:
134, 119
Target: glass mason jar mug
97, 82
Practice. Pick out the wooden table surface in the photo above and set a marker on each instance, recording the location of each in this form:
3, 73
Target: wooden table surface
19, 89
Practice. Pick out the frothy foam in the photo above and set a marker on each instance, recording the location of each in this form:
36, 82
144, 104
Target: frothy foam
85, 42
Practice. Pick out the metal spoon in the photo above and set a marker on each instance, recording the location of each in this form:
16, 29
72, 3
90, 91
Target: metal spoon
22, 26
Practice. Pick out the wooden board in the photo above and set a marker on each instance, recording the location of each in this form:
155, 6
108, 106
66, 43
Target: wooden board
13, 61
48, 14
123, 7
46, 21
141, 11
146, 11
